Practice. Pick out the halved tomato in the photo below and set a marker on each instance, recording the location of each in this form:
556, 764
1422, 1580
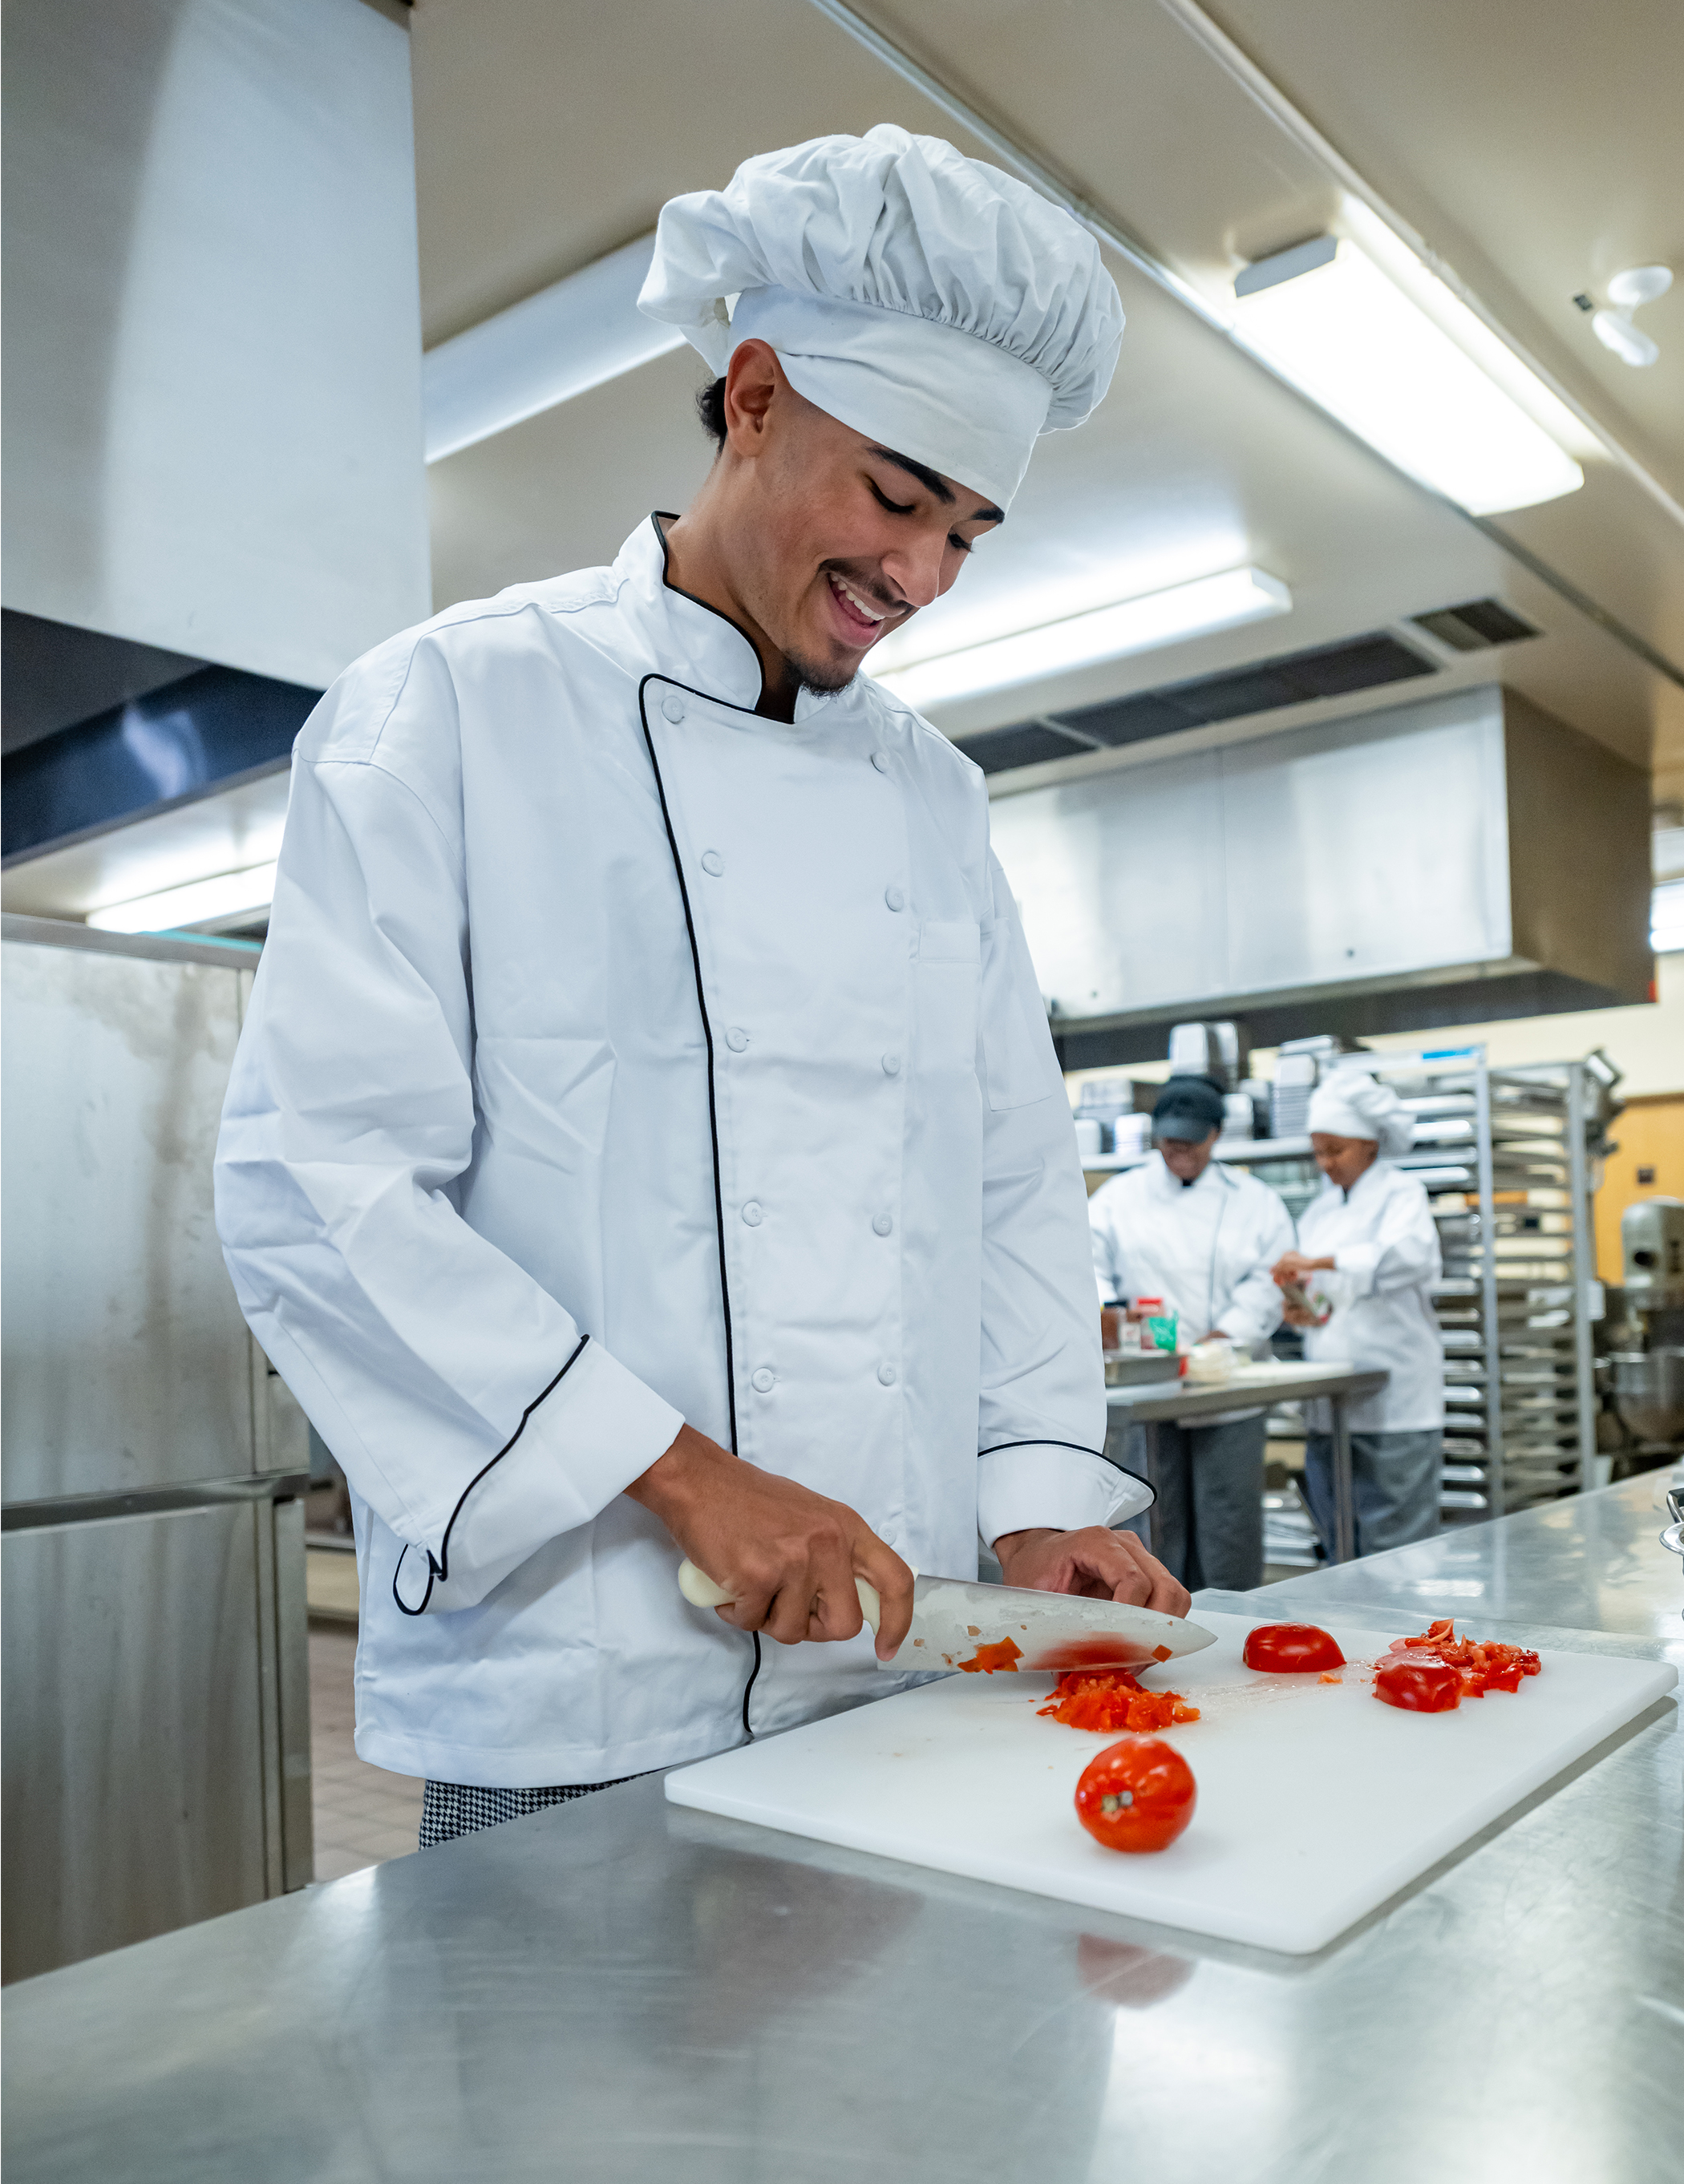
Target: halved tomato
1136, 1795
1419, 1684
1292, 1646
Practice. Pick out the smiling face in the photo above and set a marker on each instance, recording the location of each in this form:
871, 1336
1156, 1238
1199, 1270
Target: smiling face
814, 539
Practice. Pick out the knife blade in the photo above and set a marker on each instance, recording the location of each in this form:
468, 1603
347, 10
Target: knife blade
957, 1624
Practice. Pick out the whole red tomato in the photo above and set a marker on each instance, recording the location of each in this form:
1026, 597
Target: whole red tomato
1137, 1795
1418, 1685
1291, 1646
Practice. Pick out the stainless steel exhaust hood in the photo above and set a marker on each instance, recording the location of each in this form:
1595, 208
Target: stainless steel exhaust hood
1457, 860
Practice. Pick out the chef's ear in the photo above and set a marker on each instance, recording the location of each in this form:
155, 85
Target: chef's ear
753, 379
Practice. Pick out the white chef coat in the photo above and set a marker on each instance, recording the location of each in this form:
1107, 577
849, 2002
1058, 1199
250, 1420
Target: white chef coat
1205, 1247
619, 1057
1382, 1239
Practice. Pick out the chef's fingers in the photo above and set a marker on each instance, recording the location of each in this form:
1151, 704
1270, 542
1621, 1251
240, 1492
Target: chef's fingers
1150, 1585
877, 1562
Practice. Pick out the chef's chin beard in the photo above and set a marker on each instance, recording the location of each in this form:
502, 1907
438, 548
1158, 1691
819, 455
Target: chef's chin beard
808, 675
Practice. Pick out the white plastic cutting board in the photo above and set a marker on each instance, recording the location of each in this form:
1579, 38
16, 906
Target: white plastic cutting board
1315, 1801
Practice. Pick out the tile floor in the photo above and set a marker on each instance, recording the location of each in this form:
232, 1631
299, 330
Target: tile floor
363, 1815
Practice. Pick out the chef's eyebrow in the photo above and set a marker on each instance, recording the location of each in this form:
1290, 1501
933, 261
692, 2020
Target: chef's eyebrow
933, 481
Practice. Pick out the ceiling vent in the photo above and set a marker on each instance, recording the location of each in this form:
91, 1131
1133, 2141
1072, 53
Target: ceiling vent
1330, 671
1475, 627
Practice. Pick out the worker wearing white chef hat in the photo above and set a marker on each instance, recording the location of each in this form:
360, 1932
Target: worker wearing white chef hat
1370, 1234
645, 1138
1200, 1237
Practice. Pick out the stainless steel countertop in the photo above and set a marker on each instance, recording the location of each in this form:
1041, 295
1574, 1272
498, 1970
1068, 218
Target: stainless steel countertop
616, 1990
1594, 1562
1153, 1402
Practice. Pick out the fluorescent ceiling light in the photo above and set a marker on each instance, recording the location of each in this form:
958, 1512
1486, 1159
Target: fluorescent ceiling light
1362, 328
562, 342
228, 899
1194, 609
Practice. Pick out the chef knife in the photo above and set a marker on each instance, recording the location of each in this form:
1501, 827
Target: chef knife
957, 1625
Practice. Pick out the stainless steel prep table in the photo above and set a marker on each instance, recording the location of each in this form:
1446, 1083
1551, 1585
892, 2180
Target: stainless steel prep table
615, 1990
1174, 1402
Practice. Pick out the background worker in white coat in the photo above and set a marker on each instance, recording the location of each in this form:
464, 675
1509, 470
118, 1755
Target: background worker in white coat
645, 1139
1203, 1238
1371, 1229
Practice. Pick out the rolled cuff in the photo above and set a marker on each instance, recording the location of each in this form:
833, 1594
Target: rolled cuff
1358, 1263
596, 1429
1043, 1484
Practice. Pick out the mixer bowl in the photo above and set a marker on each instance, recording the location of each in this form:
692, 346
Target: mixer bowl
1648, 1391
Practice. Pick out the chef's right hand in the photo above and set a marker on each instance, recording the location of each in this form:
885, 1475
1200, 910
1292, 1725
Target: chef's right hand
789, 1555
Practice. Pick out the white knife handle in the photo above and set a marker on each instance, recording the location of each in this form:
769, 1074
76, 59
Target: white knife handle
701, 1591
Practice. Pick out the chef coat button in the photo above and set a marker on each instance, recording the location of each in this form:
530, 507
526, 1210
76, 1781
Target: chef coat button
891, 1065
736, 1039
713, 863
754, 1213
895, 898
886, 1374
674, 709
765, 1381
883, 1224
879, 762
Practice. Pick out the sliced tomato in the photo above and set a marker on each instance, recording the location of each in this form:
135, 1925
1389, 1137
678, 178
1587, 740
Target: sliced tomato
1136, 1795
991, 1659
1419, 1684
1292, 1646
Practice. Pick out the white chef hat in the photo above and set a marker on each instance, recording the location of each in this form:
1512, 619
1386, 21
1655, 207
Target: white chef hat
929, 301
1352, 1104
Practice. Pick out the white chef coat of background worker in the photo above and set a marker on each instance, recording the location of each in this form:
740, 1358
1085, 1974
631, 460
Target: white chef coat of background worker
1371, 1228
645, 1070
1203, 1237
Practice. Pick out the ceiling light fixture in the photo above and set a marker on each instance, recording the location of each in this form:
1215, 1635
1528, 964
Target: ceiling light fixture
1357, 322
1138, 625
1628, 292
227, 899
574, 335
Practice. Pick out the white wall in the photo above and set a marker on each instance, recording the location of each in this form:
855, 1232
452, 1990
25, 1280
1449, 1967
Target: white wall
213, 430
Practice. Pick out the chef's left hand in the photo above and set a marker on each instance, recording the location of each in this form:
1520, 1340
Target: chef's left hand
1095, 1563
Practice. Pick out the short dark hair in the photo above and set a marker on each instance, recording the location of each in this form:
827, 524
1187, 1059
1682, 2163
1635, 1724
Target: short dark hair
710, 408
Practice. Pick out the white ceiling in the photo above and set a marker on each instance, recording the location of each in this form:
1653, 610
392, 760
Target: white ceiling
549, 132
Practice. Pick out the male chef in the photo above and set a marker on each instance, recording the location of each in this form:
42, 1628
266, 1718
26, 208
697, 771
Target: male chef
645, 1140
1201, 1236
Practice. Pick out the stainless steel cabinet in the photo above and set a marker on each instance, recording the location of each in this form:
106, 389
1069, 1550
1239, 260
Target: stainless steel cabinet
156, 1669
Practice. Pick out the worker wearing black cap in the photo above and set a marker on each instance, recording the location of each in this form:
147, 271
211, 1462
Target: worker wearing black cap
1203, 1237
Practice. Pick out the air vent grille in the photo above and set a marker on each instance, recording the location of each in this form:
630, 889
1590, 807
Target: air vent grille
1476, 626
1330, 670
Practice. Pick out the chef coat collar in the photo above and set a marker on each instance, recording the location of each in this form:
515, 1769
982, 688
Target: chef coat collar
1376, 1168
1169, 1185
699, 645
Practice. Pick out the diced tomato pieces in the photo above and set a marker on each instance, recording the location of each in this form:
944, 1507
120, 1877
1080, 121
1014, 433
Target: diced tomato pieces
1110, 1699
991, 1659
1478, 1666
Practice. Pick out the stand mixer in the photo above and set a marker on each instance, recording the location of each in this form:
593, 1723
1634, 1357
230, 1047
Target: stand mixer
1649, 1381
